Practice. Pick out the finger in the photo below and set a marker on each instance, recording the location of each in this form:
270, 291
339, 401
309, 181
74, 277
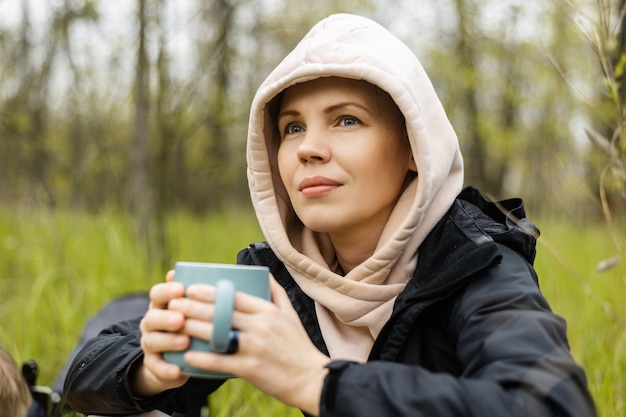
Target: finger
201, 292
205, 294
279, 295
249, 304
161, 369
158, 342
162, 320
192, 309
216, 362
162, 293
199, 329
169, 277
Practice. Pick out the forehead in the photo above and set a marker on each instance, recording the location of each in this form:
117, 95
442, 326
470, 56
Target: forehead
332, 88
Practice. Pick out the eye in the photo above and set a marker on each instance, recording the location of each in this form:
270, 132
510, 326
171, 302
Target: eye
293, 128
348, 121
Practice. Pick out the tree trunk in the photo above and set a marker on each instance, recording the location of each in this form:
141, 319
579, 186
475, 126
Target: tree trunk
475, 144
141, 196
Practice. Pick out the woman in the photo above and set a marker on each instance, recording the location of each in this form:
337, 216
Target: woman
396, 292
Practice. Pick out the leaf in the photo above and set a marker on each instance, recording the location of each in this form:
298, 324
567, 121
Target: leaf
620, 67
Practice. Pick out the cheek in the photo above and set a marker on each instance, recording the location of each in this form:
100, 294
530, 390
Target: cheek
285, 161
392, 170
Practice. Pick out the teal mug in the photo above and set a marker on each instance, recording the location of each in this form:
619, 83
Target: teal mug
227, 279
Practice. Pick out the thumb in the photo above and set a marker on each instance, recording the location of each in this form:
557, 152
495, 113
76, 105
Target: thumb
279, 295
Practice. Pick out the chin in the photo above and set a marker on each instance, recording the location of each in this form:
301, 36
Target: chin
323, 227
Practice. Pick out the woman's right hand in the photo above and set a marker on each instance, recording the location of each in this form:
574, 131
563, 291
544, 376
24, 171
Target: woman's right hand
161, 331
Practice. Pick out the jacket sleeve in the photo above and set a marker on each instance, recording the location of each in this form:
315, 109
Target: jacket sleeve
512, 350
98, 378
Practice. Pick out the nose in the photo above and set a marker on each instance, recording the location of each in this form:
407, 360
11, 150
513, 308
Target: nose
314, 146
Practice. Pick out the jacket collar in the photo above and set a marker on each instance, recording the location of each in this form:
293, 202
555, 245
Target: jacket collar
462, 244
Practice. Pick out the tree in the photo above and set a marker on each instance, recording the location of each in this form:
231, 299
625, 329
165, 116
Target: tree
162, 125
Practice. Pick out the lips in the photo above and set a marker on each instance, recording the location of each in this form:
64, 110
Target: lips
317, 186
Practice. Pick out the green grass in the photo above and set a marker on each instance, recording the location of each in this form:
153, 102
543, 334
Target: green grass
592, 302
58, 268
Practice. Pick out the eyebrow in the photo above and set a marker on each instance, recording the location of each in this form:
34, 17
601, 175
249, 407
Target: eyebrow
343, 104
327, 110
287, 113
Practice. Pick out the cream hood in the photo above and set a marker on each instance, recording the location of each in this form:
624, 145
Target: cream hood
350, 46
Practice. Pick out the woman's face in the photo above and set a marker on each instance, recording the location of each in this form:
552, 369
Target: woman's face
344, 155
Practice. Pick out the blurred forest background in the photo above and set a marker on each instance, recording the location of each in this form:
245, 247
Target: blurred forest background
142, 105
122, 146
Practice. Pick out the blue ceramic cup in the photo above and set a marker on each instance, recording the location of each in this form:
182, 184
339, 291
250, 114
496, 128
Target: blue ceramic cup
227, 279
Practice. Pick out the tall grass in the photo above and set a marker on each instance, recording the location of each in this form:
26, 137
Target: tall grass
593, 304
58, 268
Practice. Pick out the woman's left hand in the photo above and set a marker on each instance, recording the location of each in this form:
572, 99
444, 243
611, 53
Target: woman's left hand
275, 353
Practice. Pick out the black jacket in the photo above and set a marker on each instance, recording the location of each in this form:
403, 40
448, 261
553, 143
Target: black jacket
471, 335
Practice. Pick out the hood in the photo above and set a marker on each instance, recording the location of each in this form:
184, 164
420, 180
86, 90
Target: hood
355, 47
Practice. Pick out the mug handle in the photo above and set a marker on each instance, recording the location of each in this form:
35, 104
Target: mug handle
223, 317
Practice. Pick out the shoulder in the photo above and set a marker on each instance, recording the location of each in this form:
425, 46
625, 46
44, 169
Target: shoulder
501, 221
508, 285
474, 236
